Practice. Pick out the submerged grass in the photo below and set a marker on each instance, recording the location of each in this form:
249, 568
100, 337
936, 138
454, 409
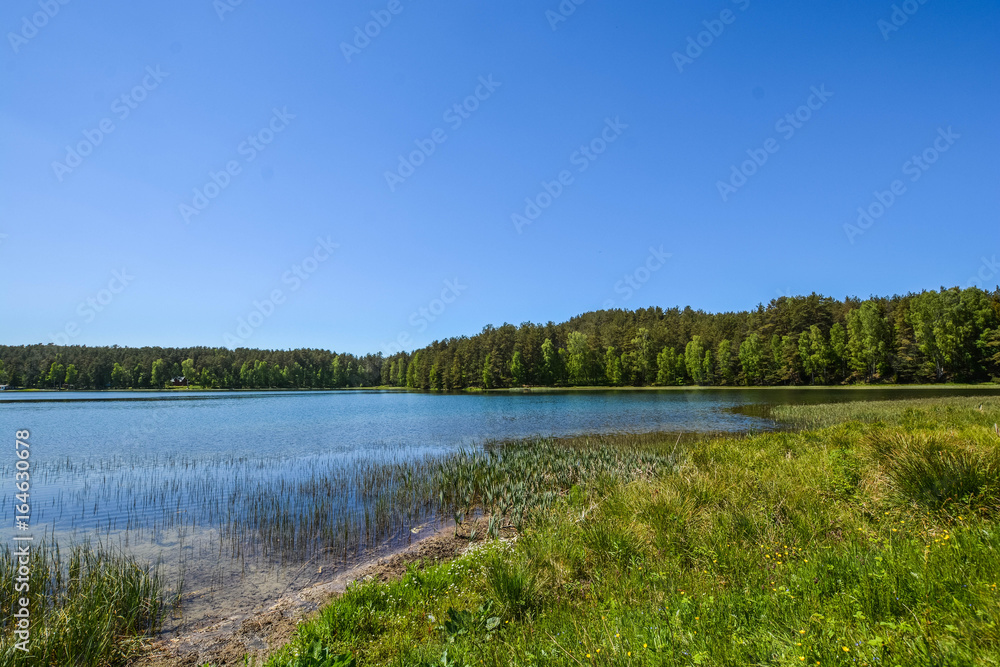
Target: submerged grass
87, 606
872, 540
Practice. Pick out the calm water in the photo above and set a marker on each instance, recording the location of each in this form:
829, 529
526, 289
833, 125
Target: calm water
159, 473
83, 439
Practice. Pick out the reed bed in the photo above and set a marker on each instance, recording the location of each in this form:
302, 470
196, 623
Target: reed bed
88, 606
290, 511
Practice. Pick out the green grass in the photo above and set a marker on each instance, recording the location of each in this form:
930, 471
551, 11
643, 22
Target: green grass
870, 540
88, 607
926, 412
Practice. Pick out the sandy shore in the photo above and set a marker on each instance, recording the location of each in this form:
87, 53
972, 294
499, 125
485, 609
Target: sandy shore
258, 632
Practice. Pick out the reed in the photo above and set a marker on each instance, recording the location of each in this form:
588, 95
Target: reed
88, 606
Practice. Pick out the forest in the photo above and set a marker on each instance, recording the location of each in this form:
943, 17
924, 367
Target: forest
948, 335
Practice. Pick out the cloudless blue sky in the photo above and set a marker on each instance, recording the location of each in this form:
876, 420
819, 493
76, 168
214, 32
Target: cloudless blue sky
323, 175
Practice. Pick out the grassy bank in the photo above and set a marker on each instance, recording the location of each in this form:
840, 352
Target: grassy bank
87, 606
870, 540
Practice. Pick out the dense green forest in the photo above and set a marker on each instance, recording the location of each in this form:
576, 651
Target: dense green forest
935, 336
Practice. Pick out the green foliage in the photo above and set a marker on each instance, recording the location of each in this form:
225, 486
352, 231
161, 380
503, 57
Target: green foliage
613, 366
724, 361
694, 353
579, 359
160, 373
517, 370
947, 326
489, 375
752, 359
838, 349
640, 355
667, 368
553, 368
119, 377
57, 373
188, 371
869, 341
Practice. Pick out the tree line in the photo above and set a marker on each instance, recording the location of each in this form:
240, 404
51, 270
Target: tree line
82, 367
934, 336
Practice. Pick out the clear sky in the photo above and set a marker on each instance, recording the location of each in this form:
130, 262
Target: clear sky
622, 122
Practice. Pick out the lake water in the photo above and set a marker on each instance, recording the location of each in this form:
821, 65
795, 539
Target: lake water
168, 475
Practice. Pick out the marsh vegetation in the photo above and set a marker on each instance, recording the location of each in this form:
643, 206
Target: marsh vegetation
871, 540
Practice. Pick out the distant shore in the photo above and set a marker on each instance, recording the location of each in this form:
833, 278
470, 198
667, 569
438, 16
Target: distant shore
533, 389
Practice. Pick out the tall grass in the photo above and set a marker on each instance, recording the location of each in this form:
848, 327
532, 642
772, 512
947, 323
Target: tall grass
936, 470
87, 606
513, 586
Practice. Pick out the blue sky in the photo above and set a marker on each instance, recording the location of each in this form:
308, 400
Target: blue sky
640, 122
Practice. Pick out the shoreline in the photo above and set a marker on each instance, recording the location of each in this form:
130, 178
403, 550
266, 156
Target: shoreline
526, 390
224, 640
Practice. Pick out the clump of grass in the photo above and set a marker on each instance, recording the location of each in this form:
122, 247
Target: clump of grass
936, 470
513, 586
91, 606
846, 468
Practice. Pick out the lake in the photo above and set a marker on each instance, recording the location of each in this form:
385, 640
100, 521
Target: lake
190, 478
